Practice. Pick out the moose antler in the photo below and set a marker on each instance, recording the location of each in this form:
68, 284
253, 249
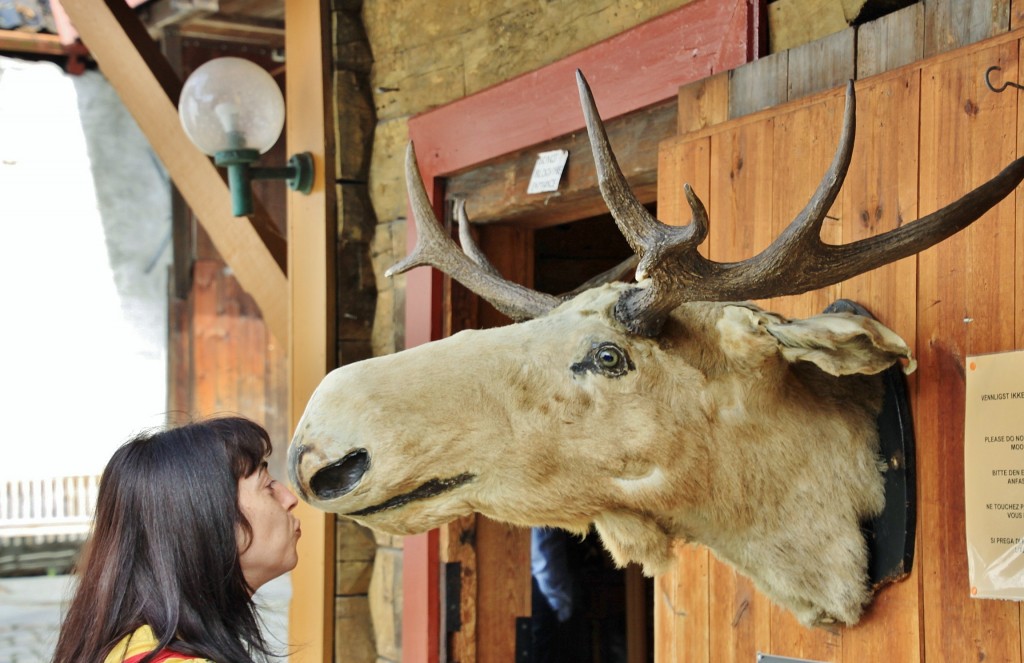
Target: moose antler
435, 248
671, 271
470, 266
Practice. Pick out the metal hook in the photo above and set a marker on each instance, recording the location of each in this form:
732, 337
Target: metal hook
988, 82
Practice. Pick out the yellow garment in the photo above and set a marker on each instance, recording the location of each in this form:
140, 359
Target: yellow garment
142, 641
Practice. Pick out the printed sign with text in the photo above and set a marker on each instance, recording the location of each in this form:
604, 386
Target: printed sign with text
994, 475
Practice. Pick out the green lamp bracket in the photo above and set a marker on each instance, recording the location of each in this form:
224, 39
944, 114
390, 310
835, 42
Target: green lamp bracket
298, 173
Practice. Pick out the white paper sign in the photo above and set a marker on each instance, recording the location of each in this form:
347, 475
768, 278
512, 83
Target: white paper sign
994, 475
547, 172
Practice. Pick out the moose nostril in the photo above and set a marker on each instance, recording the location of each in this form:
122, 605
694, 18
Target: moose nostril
341, 476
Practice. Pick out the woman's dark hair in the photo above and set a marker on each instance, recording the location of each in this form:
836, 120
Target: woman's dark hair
163, 550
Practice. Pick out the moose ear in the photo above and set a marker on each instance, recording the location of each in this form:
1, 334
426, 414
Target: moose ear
841, 343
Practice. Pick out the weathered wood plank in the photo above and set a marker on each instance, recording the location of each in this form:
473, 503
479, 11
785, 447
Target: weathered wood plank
497, 191
879, 194
891, 41
964, 286
950, 24
822, 64
758, 85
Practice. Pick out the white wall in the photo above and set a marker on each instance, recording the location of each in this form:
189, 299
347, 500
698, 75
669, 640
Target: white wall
84, 248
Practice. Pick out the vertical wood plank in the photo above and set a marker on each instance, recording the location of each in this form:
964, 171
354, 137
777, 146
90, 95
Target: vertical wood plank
760, 84
703, 103
1016, 14
822, 64
891, 41
681, 629
741, 213
311, 335
965, 283
879, 194
950, 24
804, 144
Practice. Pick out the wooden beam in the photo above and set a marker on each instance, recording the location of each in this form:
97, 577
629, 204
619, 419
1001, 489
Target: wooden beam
148, 87
496, 191
311, 348
30, 42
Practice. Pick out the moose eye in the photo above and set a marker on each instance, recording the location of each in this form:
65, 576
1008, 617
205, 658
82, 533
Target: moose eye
609, 357
605, 359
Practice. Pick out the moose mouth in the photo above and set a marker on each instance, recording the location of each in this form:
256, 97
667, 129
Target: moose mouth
432, 488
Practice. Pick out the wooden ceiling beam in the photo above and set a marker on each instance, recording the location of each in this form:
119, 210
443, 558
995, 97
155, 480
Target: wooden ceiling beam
149, 88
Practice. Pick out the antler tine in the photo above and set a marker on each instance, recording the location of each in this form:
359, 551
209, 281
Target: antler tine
806, 227
435, 248
469, 246
651, 239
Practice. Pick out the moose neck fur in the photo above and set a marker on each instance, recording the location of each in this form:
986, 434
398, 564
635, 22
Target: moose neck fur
733, 428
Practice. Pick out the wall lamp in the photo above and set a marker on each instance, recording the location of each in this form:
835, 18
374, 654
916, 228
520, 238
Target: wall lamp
233, 110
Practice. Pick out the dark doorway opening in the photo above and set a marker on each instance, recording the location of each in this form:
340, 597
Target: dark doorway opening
585, 610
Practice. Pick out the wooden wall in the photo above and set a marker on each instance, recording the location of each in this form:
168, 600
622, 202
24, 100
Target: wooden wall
926, 133
222, 359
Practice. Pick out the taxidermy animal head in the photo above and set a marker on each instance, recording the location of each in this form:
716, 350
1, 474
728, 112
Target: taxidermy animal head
658, 411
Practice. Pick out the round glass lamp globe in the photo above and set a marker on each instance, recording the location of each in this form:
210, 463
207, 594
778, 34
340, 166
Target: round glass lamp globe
231, 104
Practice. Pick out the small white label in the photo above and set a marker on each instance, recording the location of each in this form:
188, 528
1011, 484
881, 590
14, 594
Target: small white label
547, 172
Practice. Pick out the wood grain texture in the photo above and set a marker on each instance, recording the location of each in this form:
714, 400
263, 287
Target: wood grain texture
951, 24
965, 289
761, 84
879, 194
891, 41
703, 103
822, 64
312, 335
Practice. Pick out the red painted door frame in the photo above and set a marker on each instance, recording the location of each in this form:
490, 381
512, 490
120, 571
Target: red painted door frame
638, 68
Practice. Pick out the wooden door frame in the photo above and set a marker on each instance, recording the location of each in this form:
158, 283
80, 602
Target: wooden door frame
524, 112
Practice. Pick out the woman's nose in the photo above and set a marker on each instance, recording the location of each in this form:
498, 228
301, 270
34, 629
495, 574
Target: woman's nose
286, 497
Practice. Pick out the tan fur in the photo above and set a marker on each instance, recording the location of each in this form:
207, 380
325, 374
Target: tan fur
715, 437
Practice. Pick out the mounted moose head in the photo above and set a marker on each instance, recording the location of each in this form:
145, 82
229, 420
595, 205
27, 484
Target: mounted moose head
658, 411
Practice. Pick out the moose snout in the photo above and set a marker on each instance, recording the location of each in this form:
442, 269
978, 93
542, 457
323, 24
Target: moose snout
340, 477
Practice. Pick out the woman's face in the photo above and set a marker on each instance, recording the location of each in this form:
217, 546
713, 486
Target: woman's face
267, 505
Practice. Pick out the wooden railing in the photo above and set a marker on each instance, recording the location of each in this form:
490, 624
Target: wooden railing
47, 510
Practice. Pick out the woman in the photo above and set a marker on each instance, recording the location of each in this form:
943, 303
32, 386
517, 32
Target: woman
188, 525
